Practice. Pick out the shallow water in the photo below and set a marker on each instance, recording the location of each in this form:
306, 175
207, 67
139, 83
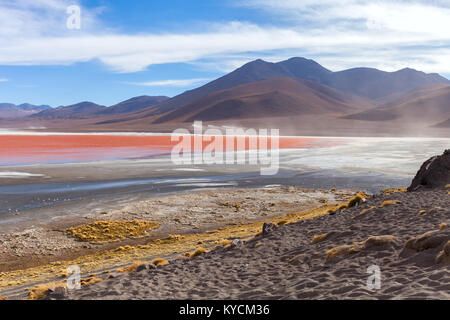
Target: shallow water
19, 148
401, 156
369, 164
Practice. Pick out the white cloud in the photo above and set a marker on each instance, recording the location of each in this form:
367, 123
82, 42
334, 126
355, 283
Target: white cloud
27, 19
339, 34
128, 53
3, 80
171, 83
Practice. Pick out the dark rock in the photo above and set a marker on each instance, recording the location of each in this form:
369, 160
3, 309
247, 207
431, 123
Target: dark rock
236, 243
243, 267
434, 173
57, 293
268, 228
114, 275
143, 267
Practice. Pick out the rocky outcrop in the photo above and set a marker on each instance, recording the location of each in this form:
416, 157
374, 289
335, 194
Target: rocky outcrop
444, 256
434, 173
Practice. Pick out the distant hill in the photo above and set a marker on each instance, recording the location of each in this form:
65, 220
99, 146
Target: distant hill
374, 84
430, 104
9, 110
87, 110
82, 110
444, 124
275, 97
32, 107
402, 97
133, 105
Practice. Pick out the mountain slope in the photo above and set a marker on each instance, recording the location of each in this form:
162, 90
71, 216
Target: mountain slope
374, 84
444, 124
133, 105
299, 68
250, 72
422, 106
402, 97
9, 110
275, 97
82, 110
34, 108
305, 69
86, 110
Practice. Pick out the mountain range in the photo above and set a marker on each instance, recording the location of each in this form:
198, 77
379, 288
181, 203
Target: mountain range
265, 98
297, 90
9, 110
86, 109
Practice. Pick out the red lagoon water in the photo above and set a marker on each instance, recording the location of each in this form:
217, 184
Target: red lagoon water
32, 149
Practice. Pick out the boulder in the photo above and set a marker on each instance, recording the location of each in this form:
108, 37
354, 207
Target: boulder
144, 267
268, 228
434, 173
114, 275
57, 293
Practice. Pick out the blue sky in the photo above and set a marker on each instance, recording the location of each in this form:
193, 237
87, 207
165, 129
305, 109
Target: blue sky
129, 48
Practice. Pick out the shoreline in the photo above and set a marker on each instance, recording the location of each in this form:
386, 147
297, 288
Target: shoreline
223, 224
67, 186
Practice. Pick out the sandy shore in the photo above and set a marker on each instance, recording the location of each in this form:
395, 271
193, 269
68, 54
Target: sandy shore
323, 258
29, 256
177, 213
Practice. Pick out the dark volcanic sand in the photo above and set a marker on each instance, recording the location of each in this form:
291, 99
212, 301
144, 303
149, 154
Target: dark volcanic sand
287, 265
